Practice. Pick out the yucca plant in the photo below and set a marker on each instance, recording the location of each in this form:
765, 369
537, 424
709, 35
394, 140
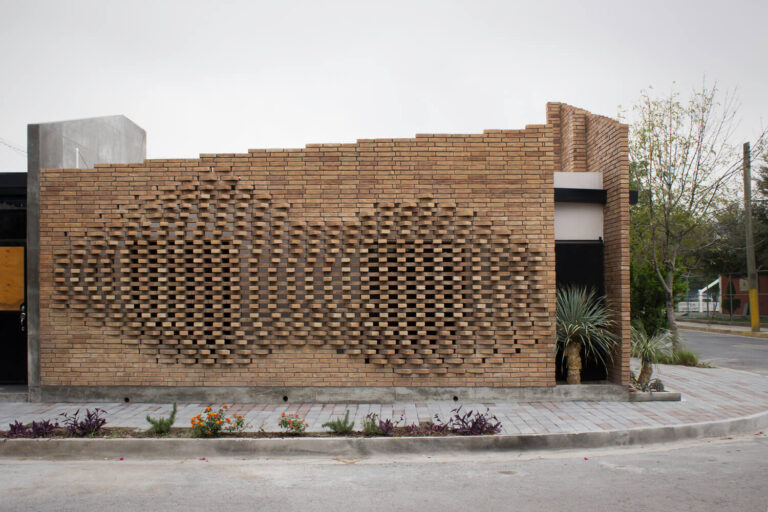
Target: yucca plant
582, 324
649, 349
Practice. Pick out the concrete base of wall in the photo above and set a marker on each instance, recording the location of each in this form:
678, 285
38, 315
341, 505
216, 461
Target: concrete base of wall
317, 394
14, 394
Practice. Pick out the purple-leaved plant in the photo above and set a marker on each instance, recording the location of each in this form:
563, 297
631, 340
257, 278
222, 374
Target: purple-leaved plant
43, 428
386, 427
18, 429
471, 423
87, 426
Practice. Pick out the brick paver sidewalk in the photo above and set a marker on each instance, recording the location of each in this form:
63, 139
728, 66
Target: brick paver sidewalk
709, 394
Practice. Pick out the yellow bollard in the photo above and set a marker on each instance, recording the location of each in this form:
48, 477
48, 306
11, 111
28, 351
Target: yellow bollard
754, 310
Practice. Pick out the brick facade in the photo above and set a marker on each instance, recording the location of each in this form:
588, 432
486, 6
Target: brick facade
389, 262
592, 143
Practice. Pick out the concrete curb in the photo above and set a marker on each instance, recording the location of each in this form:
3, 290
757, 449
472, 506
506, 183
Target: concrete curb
720, 330
655, 396
362, 447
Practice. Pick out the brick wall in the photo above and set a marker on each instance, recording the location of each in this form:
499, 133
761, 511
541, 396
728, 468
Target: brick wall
411, 262
595, 143
609, 151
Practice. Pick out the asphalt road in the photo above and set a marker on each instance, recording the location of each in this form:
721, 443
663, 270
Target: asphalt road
717, 475
729, 351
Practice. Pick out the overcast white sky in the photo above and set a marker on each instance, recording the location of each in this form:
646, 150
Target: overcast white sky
204, 76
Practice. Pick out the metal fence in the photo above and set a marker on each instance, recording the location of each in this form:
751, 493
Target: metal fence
725, 297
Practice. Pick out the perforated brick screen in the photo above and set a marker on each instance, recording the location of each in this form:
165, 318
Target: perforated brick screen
209, 276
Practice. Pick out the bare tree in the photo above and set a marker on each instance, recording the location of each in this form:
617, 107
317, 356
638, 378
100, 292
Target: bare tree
684, 160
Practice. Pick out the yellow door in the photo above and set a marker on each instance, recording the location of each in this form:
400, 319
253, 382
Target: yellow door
11, 278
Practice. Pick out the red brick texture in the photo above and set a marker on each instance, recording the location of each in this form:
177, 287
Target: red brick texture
408, 262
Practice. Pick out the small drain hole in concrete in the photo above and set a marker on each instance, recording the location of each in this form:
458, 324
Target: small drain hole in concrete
455, 399
126, 399
285, 399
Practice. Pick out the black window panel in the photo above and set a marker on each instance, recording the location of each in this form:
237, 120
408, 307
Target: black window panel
580, 195
13, 224
580, 263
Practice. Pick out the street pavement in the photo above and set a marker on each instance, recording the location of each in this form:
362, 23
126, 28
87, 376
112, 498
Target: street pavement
714, 475
726, 473
728, 350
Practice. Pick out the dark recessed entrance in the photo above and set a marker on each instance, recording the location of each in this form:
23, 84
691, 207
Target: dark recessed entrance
580, 263
13, 232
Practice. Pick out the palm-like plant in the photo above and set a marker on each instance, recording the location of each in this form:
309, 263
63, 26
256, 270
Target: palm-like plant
648, 349
582, 325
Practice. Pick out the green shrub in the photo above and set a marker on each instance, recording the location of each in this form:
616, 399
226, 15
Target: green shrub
340, 426
685, 357
647, 296
162, 425
681, 356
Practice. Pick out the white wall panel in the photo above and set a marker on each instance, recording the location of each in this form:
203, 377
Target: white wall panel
578, 221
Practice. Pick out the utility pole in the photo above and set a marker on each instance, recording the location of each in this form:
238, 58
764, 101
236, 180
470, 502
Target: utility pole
754, 307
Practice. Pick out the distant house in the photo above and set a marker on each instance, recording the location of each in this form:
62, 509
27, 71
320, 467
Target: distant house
734, 294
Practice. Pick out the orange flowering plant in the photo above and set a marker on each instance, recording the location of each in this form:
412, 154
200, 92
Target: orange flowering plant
211, 423
292, 424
